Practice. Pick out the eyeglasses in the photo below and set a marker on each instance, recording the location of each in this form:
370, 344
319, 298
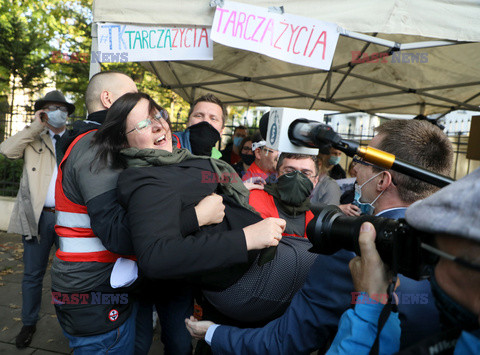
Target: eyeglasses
268, 151
55, 108
360, 160
306, 172
147, 122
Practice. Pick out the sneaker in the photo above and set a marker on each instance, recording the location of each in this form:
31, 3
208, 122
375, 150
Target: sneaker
24, 338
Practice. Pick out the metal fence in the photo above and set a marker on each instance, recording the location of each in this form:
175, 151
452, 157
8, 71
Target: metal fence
10, 171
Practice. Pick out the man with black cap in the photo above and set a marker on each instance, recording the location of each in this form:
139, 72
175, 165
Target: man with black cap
451, 216
33, 215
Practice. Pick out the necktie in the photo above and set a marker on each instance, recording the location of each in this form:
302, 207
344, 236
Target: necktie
58, 148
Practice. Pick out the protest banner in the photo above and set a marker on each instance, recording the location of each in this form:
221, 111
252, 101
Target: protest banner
291, 38
130, 43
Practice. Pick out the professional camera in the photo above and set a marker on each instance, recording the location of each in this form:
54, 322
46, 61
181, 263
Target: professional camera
396, 241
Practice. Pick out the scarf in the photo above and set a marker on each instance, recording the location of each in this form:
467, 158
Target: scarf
229, 182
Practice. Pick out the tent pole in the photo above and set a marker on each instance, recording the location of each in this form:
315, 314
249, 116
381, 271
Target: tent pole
94, 67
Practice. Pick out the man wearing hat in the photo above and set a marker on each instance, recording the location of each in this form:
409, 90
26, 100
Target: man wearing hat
33, 215
451, 215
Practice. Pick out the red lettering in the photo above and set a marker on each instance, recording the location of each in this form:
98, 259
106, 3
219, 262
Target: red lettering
55, 297
221, 10
373, 58
323, 43
206, 177
308, 42
296, 39
268, 28
65, 298
175, 37
232, 19
182, 32
246, 26
56, 56
355, 297
240, 23
256, 30
84, 298
74, 58
203, 34
74, 298
83, 57
383, 57
355, 56
291, 36
185, 39
286, 26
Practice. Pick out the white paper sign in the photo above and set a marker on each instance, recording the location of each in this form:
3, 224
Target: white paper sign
291, 38
129, 43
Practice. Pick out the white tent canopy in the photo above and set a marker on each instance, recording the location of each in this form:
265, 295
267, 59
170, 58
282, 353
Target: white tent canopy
449, 80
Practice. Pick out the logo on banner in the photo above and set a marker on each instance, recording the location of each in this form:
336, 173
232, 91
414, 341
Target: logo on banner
113, 315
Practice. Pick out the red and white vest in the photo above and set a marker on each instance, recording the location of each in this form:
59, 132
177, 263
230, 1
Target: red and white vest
77, 242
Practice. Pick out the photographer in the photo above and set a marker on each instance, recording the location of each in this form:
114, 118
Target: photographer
452, 216
311, 320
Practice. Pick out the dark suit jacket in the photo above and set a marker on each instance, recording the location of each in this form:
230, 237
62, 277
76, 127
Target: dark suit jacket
155, 197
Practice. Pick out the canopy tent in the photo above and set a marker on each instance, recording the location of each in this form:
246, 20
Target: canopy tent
447, 78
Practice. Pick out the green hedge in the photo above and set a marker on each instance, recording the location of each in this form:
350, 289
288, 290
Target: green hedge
10, 173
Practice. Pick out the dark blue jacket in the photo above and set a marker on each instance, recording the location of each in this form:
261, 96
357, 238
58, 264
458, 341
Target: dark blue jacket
313, 316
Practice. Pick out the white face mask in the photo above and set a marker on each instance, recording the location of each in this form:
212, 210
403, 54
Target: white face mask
57, 118
365, 207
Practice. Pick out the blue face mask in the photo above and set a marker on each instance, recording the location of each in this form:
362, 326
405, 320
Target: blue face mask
365, 207
333, 160
237, 141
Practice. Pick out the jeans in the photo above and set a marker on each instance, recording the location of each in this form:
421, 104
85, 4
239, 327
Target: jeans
35, 259
143, 328
119, 341
173, 306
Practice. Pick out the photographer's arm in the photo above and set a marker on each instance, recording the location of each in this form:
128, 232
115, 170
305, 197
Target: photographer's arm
358, 327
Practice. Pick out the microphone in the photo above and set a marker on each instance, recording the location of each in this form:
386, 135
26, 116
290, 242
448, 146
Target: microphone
288, 133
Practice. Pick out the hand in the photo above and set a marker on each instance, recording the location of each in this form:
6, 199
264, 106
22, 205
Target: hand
350, 209
369, 274
197, 329
253, 186
263, 234
41, 116
210, 210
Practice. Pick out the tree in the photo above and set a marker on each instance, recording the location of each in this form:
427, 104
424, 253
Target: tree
24, 47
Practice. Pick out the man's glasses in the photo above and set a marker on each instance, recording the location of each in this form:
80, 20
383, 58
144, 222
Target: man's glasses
55, 108
306, 172
161, 117
268, 151
360, 160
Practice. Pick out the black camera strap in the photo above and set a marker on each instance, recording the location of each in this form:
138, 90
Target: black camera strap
390, 305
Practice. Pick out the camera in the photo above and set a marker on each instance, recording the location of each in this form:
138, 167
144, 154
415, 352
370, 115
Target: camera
397, 243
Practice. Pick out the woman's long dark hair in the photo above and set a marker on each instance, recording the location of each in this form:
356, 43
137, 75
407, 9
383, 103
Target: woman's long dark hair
111, 137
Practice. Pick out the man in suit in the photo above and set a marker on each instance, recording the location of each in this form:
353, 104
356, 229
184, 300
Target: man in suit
34, 213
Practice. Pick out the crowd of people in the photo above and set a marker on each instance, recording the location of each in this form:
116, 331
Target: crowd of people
144, 219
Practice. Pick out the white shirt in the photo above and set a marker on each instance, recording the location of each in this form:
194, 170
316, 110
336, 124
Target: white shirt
50, 200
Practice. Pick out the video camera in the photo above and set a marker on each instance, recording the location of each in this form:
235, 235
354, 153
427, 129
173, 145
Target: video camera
400, 246
397, 243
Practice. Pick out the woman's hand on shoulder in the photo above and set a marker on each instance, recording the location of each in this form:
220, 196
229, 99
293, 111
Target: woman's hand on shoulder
210, 210
265, 233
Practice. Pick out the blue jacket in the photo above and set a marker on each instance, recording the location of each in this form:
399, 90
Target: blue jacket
358, 328
313, 316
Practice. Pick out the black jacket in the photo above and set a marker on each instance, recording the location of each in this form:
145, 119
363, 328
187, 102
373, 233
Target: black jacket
155, 197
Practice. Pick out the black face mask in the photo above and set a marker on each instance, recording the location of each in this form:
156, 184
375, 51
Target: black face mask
247, 158
203, 137
294, 188
452, 314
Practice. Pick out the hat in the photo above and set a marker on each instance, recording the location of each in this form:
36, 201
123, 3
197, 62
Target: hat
54, 96
258, 145
453, 210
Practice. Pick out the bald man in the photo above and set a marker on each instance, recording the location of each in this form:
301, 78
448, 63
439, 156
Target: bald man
86, 206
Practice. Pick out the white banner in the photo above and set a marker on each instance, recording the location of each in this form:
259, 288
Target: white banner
291, 38
129, 43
